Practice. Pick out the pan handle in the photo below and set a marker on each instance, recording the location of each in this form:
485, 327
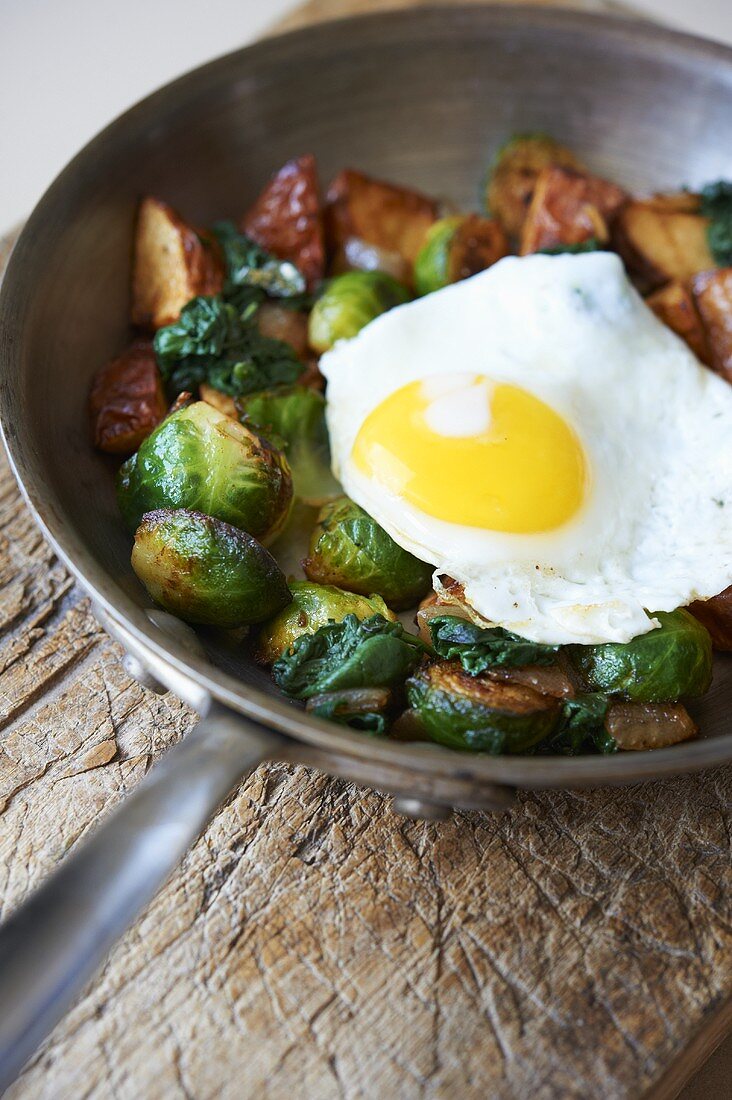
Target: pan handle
55, 941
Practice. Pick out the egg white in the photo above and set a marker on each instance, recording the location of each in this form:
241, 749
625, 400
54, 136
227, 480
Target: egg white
655, 531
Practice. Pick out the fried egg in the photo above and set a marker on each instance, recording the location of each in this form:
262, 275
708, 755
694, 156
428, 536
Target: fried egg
537, 434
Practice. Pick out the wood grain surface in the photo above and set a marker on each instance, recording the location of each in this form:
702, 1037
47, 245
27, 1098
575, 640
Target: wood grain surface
313, 944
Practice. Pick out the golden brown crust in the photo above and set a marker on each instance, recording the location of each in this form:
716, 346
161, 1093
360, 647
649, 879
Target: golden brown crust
394, 219
127, 400
287, 220
172, 264
663, 239
674, 305
716, 615
713, 294
520, 699
478, 243
569, 207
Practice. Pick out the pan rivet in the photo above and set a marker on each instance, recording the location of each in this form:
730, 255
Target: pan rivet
408, 806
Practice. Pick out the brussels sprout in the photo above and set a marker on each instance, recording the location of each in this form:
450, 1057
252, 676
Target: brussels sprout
349, 549
206, 571
313, 606
293, 419
349, 302
479, 714
344, 656
201, 459
456, 248
513, 175
661, 666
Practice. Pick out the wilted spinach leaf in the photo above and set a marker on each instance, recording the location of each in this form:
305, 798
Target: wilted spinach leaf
214, 341
591, 245
362, 709
250, 265
716, 204
350, 654
582, 725
478, 648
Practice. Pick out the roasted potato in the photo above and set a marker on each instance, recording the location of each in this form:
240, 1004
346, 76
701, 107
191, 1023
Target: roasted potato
713, 294
456, 248
392, 219
280, 323
512, 177
674, 305
569, 207
172, 264
663, 239
716, 615
127, 400
287, 220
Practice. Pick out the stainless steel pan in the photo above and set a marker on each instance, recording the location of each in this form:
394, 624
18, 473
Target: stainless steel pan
420, 97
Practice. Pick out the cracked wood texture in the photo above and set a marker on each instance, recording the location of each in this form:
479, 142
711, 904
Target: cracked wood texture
313, 944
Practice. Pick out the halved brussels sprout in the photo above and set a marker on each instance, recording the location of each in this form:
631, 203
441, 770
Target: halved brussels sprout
313, 606
661, 666
456, 248
513, 175
348, 303
206, 571
293, 419
201, 459
349, 549
477, 713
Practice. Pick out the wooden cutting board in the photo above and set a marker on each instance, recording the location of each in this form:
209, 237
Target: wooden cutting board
313, 944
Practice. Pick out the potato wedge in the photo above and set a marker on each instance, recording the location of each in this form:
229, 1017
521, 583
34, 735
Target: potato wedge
569, 207
713, 293
663, 239
127, 400
674, 305
477, 243
287, 219
171, 265
716, 615
382, 215
513, 175
280, 323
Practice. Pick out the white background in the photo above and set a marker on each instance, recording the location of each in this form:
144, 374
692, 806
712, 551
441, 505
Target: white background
67, 67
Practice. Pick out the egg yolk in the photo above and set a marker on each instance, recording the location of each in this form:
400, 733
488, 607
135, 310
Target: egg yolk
476, 453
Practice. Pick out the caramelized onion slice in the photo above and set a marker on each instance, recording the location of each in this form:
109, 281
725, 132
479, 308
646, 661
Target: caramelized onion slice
638, 726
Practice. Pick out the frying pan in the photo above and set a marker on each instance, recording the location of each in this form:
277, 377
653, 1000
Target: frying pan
420, 97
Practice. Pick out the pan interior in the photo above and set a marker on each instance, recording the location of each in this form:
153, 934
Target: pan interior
424, 99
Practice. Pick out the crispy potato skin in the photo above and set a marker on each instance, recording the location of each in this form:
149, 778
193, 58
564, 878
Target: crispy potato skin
663, 239
171, 265
569, 207
674, 305
713, 294
127, 400
642, 726
393, 219
716, 615
287, 220
478, 243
